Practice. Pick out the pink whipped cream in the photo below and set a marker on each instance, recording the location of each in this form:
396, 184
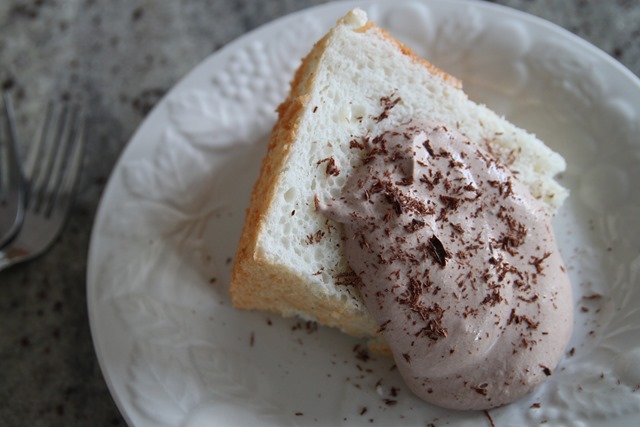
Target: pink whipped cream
458, 264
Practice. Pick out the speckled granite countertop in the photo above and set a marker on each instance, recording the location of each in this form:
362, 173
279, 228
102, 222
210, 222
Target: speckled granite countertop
122, 56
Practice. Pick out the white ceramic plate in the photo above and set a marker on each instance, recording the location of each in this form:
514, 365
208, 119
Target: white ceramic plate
173, 350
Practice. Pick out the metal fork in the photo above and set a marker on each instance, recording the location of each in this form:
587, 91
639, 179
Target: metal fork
52, 168
12, 186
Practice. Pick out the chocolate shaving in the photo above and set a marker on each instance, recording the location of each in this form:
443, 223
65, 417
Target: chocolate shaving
414, 225
515, 236
395, 204
450, 202
405, 182
361, 353
315, 238
504, 188
468, 311
411, 296
537, 262
433, 316
383, 326
545, 370
532, 299
355, 144
480, 389
514, 318
432, 181
488, 415
427, 146
458, 228
332, 169
493, 298
387, 104
437, 251
348, 279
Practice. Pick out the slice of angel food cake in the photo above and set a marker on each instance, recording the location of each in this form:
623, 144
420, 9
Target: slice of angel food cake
392, 207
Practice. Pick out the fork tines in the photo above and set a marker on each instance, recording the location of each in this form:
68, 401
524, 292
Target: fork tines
12, 188
52, 164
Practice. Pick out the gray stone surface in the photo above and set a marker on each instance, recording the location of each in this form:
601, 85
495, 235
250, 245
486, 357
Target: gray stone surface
121, 56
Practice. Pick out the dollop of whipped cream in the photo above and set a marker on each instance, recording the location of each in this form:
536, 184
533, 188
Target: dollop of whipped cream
458, 264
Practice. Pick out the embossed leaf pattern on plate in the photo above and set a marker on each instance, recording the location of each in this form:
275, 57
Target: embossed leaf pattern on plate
171, 233
165, 199
244, 93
